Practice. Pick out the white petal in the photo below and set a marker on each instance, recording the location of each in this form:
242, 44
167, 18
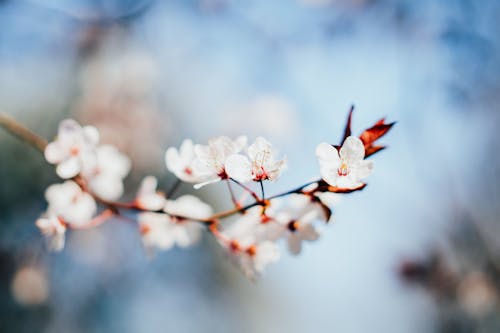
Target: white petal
347, 182
110, 160
239, 168
107, 187
187, 233
327, 155
363, 169
352, 150
68, 168
259, 146
240, 143
308, 232
267, 252
294, 244
173, 160
56, 242
81, 211
328, 198
61, 195
68, 129
54, 153
188, 206
153, 201
276, 168
158, 230
187, 150
148, 186
329, 175
91, 135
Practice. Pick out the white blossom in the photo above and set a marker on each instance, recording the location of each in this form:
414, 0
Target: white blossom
254, 259
189, 207
177, 227
148, 197
155, 231
260, 164
54, 231
105, 176
249, 245
72, 149
294, 220
69, 202
211, 159
185, 212
181, 162
347, 168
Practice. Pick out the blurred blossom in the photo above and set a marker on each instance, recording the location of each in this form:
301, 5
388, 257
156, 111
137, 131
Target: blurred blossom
477, 294
119, 97
30, 286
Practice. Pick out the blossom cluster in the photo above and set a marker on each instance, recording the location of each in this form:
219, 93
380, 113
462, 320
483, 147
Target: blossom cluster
93, 177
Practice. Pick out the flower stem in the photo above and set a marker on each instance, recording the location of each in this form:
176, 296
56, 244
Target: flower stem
231, 192
252, 193
22, 132
174, 188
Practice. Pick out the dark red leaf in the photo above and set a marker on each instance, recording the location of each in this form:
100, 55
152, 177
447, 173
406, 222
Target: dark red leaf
369, 151
372, 134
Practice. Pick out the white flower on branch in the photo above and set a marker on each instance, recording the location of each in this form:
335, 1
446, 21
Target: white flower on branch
347, 168
297, 221
54, 231
177, 226
99, 171
181, 162
105, 175
69, 202
260, 164
211, 159
189, 207
155, 231
254, 259
248, 244
148, 197
72, 149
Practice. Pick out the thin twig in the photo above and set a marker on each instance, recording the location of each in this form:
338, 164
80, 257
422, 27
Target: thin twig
22, 132
246, 188
233, 197
174, 188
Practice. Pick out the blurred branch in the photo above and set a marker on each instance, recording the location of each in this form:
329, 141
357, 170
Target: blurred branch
21, 132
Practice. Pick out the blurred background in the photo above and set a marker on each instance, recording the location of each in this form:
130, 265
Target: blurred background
417, 251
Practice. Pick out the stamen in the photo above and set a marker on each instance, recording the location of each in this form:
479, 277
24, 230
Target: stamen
343, 170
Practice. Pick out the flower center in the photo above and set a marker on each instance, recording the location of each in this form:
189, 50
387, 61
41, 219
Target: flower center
343, 170
293, 226
234, 246
74, 151
144, 229
252, 250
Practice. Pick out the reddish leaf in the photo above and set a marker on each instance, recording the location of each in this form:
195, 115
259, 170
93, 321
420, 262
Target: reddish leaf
372, 134
369, 151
